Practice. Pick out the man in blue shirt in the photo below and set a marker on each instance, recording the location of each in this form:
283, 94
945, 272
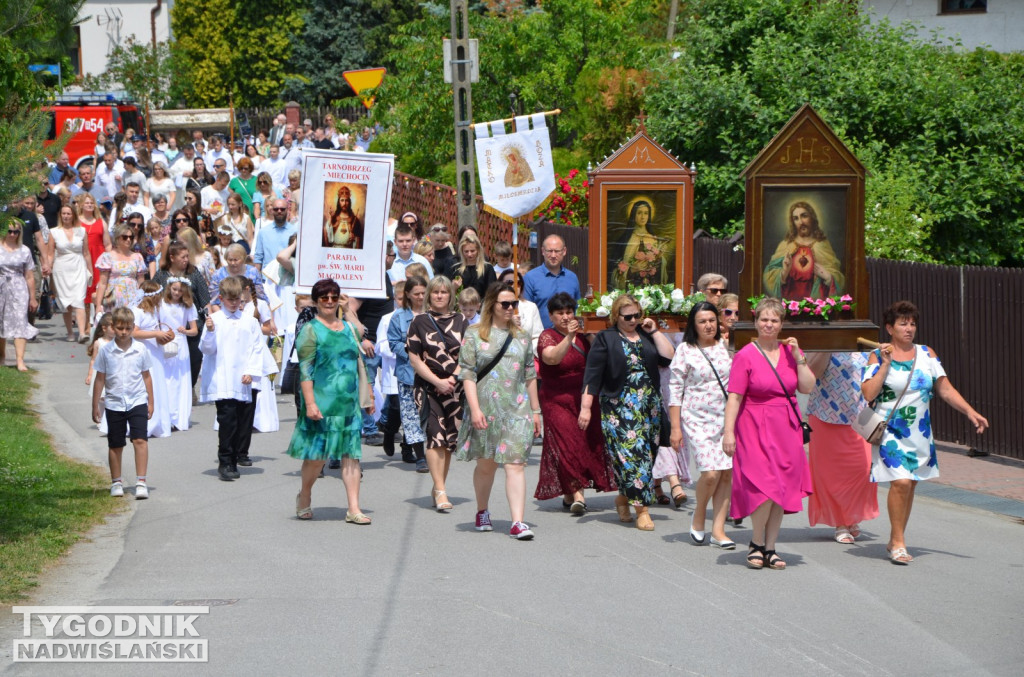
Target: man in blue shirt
543, 282
272, 240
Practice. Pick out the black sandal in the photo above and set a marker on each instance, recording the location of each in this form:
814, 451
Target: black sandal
773, 561
756, 556
681, 498
660, 497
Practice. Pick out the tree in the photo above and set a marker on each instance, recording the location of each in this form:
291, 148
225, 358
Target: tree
941, 131
230, 48
333, 40
30, 31
145, 72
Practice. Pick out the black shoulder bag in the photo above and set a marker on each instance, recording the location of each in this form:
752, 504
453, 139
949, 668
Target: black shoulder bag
803, 424
715, 372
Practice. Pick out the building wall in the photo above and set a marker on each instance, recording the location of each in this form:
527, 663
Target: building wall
1000, 26
111, 22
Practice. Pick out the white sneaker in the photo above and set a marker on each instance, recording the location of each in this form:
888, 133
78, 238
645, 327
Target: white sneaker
141, 491
116, 490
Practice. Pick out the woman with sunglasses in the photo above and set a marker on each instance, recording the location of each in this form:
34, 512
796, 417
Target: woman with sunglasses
264, 194
622, 370
329, 419
497, 371
728, 313
17, 294
121, 271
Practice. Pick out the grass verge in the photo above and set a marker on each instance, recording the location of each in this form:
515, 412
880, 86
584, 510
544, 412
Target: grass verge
47, 501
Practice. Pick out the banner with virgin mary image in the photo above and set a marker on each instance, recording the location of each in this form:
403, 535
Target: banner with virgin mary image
516, 171
343, 218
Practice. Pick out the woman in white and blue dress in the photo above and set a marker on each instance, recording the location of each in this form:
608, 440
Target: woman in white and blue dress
906, 454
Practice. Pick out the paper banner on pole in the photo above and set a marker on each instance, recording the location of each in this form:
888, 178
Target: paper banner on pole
516, 172
343, 219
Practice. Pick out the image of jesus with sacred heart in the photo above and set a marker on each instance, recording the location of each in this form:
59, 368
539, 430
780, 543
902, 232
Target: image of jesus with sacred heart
804, 264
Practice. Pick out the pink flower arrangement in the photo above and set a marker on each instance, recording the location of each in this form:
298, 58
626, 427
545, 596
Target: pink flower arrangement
818, 308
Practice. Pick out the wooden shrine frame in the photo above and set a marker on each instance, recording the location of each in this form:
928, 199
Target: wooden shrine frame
640, 171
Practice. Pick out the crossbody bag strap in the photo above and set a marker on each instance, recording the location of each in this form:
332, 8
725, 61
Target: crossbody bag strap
774, 371
896, 404
715, 371
497, 358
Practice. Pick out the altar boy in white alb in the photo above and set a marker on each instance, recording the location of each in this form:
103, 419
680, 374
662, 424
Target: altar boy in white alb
232, 358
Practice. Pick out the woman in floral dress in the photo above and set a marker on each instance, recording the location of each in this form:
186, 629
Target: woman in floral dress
572, 459
17, 294
121, 271
907, 452
503, 406
329, 417
433, 345
698, 387
622, 369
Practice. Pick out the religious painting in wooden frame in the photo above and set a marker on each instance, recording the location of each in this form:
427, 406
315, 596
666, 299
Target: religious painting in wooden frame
804, 230
641, 218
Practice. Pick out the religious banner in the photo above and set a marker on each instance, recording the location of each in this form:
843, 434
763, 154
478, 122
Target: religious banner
516, 171
343, 218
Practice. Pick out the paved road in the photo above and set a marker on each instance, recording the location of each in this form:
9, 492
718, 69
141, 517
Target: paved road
423, 593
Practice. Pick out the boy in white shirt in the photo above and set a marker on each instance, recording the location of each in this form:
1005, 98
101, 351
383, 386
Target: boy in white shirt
232, 358
502, 257
122, 369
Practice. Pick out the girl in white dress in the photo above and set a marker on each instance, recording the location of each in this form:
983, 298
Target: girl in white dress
152, 334
102, 335
178, 312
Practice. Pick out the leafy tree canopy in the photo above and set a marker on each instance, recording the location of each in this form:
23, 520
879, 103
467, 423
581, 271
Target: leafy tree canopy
941, 131
231, 48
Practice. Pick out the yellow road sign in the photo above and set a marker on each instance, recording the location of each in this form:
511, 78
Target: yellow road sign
366, 78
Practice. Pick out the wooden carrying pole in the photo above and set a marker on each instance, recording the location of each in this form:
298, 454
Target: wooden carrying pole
557, 111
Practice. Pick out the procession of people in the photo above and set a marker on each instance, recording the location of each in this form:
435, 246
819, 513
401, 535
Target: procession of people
182, 283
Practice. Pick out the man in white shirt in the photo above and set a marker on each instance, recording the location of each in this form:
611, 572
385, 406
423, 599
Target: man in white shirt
133, 192
276, 167
219, 152
405, 240
182, 167
215, 197
109, 175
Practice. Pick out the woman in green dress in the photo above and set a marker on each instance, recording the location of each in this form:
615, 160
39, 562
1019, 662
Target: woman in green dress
329, 420
500, 381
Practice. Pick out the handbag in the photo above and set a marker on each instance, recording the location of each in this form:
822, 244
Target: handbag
46, 301
365, 390
869, 424
804, 425
170, 349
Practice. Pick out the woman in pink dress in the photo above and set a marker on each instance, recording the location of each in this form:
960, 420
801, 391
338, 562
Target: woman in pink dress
763, 433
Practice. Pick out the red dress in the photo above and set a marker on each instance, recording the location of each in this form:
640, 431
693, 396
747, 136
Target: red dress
572, 459
94, 233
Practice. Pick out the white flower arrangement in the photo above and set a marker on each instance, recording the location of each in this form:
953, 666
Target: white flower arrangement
653, 299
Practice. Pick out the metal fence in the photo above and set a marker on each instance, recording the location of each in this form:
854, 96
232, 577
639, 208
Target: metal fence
262, 119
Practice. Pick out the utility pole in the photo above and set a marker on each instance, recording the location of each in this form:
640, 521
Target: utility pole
461, 68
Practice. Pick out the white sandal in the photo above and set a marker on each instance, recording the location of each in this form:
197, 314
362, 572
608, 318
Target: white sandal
844, 536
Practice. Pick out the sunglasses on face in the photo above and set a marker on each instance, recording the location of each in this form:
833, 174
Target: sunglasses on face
330, 298
508, 304
729, 312
14, 231
279, 209
631, 316
714, 290
181, 219
129, 238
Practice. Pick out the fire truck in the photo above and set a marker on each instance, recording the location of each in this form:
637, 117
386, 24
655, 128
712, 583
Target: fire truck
87, 114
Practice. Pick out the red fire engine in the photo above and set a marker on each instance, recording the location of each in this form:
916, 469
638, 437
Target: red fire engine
87, 114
